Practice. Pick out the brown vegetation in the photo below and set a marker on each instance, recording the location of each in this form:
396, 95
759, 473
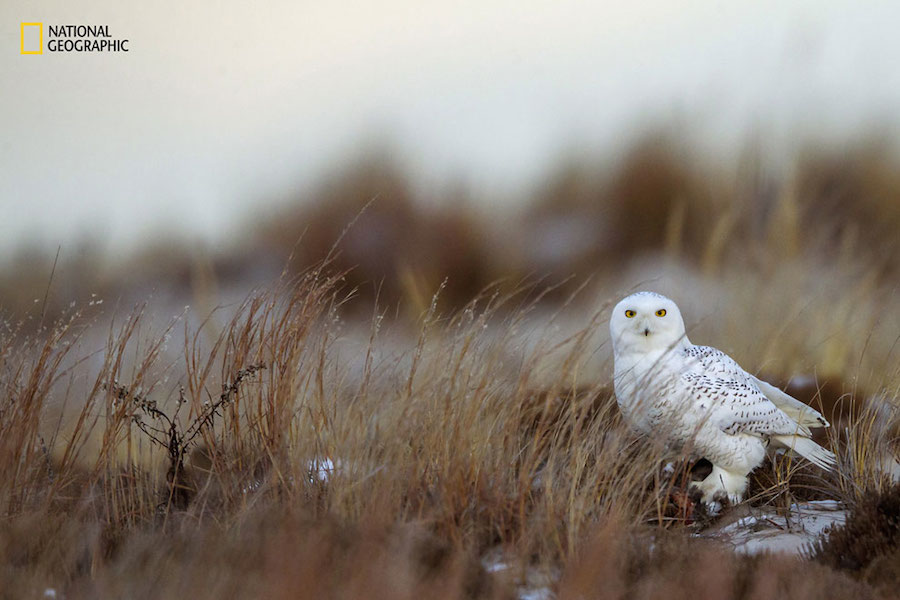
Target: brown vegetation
289, 447
586, 219
868, 545
259, 462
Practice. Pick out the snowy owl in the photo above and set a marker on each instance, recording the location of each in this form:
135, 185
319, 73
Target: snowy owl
697, 399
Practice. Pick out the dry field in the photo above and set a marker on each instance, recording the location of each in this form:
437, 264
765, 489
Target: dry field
361, 430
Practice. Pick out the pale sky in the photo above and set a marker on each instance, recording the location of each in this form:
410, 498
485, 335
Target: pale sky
221, 108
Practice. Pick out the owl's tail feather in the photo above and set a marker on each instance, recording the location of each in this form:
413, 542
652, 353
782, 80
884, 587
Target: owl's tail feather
809, 450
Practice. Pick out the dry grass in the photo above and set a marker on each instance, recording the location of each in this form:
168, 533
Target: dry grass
346, 433
156, 468
869, 544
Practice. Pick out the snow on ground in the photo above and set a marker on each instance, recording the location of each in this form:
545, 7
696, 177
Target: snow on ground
748, 530
767, 529
542, 593
533, 584
321, 469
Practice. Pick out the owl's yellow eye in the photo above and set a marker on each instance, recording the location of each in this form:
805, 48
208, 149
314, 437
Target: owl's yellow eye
629, 313
661, 312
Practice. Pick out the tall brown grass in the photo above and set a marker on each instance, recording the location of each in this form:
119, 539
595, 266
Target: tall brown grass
399, 413
287, 456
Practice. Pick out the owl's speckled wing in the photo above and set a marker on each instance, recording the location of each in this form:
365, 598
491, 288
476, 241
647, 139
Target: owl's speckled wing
737, 405
715, 361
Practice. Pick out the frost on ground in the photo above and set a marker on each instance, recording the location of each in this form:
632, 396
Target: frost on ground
752, 530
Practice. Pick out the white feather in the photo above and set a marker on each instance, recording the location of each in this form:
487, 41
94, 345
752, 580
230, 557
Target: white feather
698, 399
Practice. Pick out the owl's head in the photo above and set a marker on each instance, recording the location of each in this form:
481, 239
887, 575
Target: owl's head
644, 322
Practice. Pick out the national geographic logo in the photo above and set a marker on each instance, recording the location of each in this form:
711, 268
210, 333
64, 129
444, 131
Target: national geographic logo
32, 38
69, 38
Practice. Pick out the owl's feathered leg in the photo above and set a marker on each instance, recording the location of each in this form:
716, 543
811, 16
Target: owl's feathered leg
722, 483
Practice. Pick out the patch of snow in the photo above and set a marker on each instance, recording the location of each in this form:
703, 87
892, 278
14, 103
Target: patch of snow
50, 593
744, 522
496, 567
533, 584
495, 561
322, 469
768, 531
543, 593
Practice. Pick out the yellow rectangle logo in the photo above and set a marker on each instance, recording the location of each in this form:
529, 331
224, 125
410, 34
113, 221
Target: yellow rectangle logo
32, 38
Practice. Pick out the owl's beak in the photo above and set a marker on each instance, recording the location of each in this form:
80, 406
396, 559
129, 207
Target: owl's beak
644, 327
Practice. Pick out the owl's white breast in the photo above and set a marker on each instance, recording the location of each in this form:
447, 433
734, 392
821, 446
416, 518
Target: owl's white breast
646, 385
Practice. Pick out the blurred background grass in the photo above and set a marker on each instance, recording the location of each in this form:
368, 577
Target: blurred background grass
827, 227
